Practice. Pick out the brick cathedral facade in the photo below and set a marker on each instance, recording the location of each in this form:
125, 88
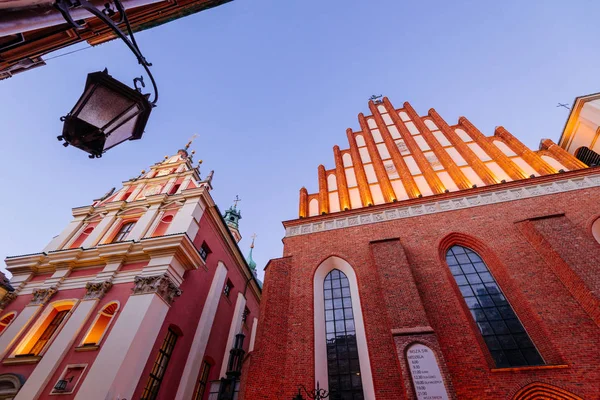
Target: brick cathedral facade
436, 263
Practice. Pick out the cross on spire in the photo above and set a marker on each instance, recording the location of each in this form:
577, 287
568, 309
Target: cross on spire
189, 143
254, 236
236, 201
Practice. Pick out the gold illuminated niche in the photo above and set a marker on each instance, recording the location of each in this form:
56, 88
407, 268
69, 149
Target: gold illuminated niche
6, 319
45, 329
99, 327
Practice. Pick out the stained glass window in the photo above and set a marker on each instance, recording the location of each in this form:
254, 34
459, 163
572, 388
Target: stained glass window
342, 351
505, 336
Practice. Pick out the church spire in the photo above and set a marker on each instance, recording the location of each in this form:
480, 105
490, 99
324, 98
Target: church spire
249, 260
232, 217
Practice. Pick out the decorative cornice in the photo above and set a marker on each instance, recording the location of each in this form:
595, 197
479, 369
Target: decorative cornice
7, 299
159, 284
335, 221
96, 290
42, 296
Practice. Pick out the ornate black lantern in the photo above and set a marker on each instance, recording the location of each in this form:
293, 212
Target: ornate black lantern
108, 113
61, 385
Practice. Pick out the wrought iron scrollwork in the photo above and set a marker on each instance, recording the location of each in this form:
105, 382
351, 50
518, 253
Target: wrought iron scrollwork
64, 6
315, 394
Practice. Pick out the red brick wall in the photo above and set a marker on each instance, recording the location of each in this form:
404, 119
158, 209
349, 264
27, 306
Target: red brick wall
405, 284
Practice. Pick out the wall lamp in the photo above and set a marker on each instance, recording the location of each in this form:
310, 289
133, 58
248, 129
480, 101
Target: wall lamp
108, 112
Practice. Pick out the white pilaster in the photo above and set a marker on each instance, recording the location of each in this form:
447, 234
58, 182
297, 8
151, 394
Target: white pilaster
234, 329
253, 335
59, 241
134, 194
100, 230
142, 224
42, 373
119, 365
14, 330
169, 185
196, 353
187, 218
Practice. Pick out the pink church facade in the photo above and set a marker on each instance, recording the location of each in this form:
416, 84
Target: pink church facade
140, 297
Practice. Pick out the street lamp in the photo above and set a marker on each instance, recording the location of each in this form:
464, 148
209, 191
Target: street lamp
108, 112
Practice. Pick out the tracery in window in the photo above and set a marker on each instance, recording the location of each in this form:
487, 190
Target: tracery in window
503, 332
100, 325
342, 352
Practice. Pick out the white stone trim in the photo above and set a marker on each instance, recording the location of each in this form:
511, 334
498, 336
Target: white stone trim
118, 366
63, 375
486, 198
321, 375
17, 327
234, 329
59, 346
195, 357
253, 335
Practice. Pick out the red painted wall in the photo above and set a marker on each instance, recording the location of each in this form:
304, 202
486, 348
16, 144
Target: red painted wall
120, 293
185, 313
540, 251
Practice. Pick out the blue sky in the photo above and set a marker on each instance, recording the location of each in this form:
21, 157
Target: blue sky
270, 87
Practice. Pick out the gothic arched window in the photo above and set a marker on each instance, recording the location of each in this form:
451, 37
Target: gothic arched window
505, 336
342, 352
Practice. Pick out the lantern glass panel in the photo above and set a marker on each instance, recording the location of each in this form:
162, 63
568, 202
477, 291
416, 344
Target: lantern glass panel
103, 106
122, 133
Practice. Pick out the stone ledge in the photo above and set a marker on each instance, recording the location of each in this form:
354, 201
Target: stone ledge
529, 368
417, 330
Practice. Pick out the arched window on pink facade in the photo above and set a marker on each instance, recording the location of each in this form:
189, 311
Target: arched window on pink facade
163, 225
6, 320
82, 236
100, 326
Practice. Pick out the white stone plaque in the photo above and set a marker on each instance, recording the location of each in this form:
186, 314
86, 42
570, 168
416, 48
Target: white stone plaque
425, 373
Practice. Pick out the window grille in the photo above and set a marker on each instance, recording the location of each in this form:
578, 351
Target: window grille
342, 352
204, 251
123, 232
160, 366
503, 333
227, 288
202, 381
48, 332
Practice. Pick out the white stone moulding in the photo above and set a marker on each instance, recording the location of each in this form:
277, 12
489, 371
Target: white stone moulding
400, 212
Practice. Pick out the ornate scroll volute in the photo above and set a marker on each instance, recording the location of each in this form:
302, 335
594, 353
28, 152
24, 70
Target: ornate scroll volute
42, 296
7, 299
96, 290
159, 284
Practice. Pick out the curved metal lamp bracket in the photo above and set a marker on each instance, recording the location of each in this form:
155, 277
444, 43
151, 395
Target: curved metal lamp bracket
64, 6
315, 394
